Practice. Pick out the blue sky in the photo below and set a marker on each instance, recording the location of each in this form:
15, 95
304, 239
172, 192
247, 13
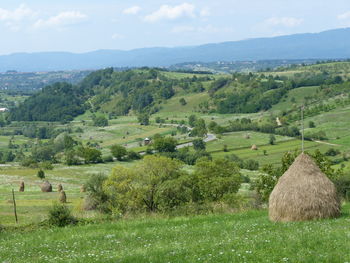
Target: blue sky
86, 25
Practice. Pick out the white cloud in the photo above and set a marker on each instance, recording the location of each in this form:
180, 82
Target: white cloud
344, 16
18, 14
134, 10
183, 29
209, 29
14, 19
117, 36
166, 12
205, 12
63, 19
283, 21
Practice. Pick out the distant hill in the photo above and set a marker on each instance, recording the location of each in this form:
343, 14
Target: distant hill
332, 44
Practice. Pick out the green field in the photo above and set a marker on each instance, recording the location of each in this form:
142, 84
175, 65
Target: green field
242, 237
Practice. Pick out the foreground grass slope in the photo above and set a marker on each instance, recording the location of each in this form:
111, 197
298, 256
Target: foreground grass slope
244, 237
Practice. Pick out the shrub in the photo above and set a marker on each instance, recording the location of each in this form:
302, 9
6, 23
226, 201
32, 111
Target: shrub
100, 121
107, 159
133, 155
312, 124
199, 145
182, 101
96, 196
118, 152
60, 215
216, 178
41, 174
46, 165
332, 152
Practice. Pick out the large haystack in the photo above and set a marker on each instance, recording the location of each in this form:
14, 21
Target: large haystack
303, 193
46, 187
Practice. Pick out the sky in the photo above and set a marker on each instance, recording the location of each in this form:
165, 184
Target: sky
86, 25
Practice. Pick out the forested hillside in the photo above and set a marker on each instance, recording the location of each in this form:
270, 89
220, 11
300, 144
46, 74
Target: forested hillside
147, 91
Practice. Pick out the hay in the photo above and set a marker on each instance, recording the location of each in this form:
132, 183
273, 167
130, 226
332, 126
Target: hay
82, 189
21, 187
254, 147
63, 197
303, 193
46, 187
59, 188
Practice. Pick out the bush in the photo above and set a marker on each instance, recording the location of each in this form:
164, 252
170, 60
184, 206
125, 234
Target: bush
46, 165
133, 155
118, 152
107, 159
251, 164
60, 215
332, 152
96, 196
41, 174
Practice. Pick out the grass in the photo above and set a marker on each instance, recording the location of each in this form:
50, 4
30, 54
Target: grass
242, 237
274, 153
33, 205
298, 94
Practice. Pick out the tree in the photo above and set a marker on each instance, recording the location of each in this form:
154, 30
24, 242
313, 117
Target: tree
100, 121
199, 129
143, 118
41, 174
95, 192
198, 144
118, 152
182, 101
167, 144
90, 155
312, 124
121, 189
272, 139
149, 186
192, 120
153, 171
70, 158
216, 178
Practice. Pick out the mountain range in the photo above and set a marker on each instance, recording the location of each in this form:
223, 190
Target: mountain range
331, 44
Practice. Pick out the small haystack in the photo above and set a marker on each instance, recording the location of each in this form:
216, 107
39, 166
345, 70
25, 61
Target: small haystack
303, 193
254, 147
21, 187
59, 188
63, 197
82, 189
247, 136
46, 187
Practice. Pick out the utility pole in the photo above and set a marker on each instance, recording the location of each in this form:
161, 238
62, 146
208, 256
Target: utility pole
14, 205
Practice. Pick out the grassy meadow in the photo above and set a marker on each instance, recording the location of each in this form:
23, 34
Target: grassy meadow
238, 237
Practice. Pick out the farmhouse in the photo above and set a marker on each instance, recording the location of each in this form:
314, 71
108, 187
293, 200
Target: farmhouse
3, 109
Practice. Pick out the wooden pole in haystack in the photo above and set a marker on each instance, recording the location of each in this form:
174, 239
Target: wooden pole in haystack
14, 205
302, 129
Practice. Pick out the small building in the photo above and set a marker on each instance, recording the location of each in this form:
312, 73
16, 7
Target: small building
147, 141
3, 109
